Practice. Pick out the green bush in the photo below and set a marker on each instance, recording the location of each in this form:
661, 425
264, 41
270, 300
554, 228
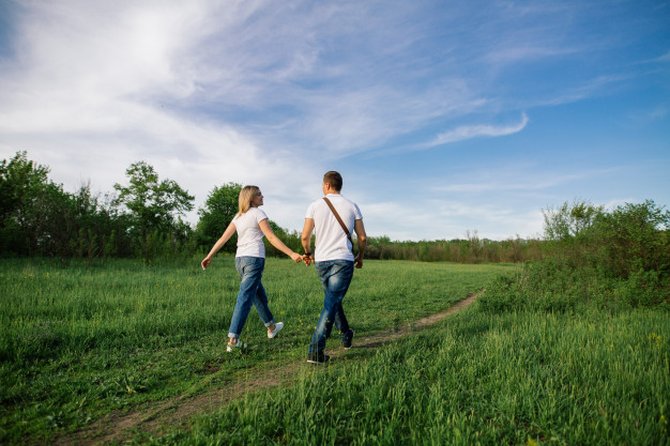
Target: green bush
632, 238
618, 259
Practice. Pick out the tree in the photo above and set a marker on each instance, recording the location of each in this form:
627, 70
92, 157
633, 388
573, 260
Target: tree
219, 210
153, 205
20, 179
28, 202
633, 238
570, 221
155, 208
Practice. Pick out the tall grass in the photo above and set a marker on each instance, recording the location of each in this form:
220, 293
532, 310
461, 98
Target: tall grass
550, 355
79, 340
520, 378
547, 355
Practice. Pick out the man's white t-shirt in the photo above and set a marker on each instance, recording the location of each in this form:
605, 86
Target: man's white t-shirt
331, 241
249, 234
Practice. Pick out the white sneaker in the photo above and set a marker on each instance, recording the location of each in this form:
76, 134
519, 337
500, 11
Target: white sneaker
278, 327
231, 347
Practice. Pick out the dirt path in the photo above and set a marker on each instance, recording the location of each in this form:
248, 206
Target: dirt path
179, 410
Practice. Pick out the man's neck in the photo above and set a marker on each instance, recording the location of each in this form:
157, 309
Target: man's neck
327, 190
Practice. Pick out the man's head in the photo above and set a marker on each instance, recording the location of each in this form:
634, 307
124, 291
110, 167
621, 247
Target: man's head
333, 179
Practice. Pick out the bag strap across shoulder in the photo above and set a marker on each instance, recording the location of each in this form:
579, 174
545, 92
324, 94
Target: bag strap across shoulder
339, 220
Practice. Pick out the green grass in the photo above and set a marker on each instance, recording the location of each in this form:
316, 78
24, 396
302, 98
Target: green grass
545, 357
476, 379
79, 341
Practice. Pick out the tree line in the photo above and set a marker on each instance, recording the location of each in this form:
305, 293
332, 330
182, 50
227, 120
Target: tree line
144, 218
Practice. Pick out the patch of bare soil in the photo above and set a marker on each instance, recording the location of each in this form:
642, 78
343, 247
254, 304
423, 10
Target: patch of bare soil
177, 411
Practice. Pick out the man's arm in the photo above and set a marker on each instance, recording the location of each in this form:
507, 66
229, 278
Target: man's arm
306, 239
361, 238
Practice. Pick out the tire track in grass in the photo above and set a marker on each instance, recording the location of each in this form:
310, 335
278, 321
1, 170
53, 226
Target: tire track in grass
177, 411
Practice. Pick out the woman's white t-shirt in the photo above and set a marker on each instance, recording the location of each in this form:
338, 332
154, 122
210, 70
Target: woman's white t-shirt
249, 234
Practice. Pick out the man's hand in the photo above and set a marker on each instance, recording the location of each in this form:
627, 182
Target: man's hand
358, 261
308, 259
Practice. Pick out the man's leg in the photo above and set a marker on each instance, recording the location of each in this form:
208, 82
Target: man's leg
336, 276
341, 322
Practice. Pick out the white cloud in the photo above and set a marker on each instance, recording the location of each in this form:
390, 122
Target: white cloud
586, 89
86, 99
210, 92
476, 131
664, 58
443, 219
507, 180
524, 52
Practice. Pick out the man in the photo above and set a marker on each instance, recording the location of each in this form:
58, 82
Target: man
334, 259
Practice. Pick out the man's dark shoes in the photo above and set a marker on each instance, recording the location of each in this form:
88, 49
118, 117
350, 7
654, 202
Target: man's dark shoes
317, 358
347, 337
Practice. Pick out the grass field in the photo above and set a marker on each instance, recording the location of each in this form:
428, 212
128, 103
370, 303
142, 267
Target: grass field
476, 379
82, 345
79, 341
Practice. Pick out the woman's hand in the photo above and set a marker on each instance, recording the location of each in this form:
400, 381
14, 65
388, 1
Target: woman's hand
307, 258
297, 258
205, 262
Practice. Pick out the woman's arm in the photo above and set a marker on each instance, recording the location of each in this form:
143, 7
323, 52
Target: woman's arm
227, 234
276, 242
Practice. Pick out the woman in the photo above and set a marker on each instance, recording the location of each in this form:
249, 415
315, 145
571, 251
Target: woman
251, 224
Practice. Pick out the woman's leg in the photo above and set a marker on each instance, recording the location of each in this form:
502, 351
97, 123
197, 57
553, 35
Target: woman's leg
250, 270
261, 304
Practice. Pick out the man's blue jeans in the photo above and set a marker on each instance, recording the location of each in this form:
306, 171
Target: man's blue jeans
251, 293
335, 276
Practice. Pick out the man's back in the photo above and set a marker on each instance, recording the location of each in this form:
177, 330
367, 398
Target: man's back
331, 240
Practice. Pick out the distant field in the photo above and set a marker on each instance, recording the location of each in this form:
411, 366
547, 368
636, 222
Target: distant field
79, 342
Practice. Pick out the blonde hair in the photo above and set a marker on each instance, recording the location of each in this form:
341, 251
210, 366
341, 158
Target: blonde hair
247, 195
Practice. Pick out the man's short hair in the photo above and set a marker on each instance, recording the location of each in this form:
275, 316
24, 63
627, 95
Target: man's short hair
334, 179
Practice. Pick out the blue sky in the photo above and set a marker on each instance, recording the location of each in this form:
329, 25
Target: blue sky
444, 117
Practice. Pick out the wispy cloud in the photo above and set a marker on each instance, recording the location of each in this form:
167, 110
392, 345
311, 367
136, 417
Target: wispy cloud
210, 92
96, 88
526, 178
282, 78
525, 52
508, 180
664, 58
477, 131
584, 90
447, 220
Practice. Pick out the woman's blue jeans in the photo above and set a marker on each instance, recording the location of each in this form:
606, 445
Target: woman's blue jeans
251, 293
335, 276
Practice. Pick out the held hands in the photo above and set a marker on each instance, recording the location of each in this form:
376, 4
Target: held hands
358, 261
205, 262
308, 259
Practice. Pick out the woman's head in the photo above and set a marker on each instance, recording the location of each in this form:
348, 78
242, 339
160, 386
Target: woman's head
250, 196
